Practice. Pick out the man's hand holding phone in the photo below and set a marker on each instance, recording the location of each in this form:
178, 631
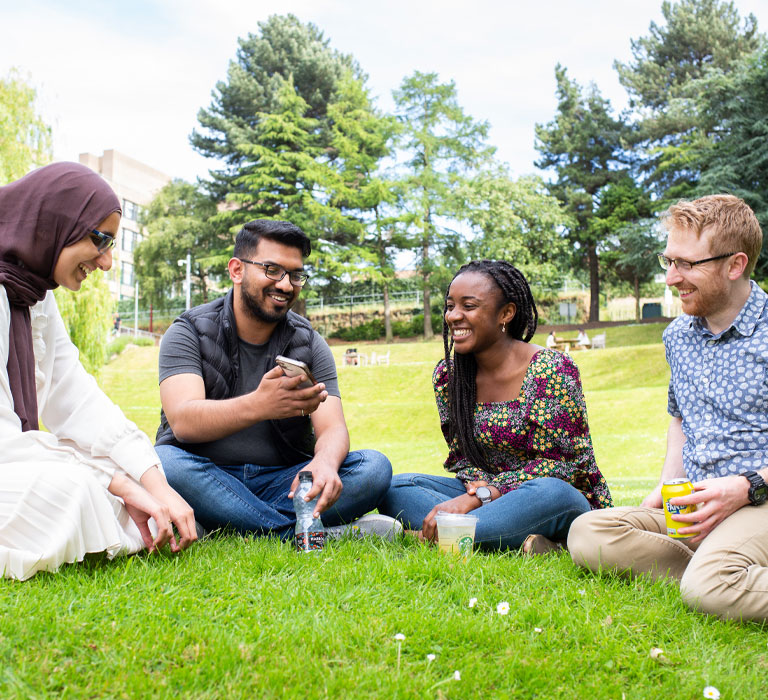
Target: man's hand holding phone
284, 396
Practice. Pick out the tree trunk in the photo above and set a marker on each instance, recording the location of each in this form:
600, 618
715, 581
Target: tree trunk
594, 284
387, 314
637, 298
428, 334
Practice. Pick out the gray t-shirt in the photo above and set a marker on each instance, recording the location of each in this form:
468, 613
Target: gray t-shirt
180, 354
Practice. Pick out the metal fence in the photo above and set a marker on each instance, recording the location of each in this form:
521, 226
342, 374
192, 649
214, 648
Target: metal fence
412, 297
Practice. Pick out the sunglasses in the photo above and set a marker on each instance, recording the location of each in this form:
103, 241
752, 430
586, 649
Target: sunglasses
102, 241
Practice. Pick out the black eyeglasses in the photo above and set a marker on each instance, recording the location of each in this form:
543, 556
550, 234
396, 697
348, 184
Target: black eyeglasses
102, 241
276, 273
686, 265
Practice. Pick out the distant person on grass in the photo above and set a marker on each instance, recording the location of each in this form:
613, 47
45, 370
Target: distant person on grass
718, 435
235, 430
90, 482
514, 418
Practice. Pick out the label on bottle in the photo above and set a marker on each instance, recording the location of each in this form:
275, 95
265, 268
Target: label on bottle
310, 541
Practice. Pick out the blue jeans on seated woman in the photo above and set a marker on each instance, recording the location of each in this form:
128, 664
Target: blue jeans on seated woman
254, 499
545, 506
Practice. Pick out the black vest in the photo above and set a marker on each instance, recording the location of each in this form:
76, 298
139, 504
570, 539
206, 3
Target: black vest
214, 325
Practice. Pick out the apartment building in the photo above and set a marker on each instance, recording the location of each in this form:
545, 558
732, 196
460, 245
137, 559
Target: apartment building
135, 184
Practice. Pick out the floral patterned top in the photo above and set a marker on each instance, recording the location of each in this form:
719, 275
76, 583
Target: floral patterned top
542, 433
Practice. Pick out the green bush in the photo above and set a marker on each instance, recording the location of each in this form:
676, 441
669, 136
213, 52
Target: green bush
370, 330
374, 329
415, 326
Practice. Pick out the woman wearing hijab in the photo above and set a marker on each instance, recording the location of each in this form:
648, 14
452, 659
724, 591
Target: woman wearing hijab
91, 482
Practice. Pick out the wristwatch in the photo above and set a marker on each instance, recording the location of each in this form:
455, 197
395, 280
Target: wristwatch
758, 489
484, 494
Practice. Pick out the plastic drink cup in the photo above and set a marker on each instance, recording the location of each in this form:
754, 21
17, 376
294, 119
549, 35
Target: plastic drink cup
673, 489
456, 532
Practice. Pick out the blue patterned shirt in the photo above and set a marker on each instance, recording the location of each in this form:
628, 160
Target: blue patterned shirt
719, 387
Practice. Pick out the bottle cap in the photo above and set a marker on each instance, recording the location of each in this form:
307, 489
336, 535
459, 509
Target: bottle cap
305, 476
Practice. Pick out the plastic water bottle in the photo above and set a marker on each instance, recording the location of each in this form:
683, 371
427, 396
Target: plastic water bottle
310, 533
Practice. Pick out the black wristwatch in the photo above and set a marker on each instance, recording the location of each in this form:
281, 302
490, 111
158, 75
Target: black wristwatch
758, 489
484, 494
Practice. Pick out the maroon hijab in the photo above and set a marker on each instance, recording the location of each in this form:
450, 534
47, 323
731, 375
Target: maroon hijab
41, 214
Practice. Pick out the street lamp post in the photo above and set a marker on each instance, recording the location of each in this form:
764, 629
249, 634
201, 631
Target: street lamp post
188, 283
136, 310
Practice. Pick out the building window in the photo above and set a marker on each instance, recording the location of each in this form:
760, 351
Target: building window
130, 239
127, 242
130, 210
126, 274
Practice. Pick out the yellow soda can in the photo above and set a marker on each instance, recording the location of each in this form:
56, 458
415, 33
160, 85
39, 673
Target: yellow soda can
673, 489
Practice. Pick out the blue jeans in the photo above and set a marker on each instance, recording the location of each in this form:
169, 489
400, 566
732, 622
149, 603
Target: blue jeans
254, 499
545, 506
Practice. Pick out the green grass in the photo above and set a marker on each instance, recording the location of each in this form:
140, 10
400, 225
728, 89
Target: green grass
242, 618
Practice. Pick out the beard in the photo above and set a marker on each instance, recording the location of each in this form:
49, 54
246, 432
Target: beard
256, 306
708, 299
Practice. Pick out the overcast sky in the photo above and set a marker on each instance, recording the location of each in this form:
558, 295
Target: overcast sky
132, 74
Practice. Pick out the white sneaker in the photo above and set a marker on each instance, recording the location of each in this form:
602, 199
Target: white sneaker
372, 524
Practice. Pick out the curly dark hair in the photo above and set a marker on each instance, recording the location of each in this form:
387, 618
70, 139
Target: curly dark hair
462, 369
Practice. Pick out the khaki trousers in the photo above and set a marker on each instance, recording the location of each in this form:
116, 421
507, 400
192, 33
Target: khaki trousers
726, 574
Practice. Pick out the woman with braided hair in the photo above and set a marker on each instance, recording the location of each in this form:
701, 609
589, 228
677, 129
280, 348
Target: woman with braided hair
514, 418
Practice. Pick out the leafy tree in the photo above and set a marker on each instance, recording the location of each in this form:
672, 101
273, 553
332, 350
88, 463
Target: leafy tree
735, 158
584, 145
361, 137
443, 146
516, 220
663, 83
278, 168
283, 49
631, 254
181, 219
25, 139
628, 235
87, 316
290, 177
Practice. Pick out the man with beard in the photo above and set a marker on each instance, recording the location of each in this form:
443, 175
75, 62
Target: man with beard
235, 430
718, 435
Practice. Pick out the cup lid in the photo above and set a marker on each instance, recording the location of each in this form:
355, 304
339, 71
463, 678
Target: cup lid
462, 517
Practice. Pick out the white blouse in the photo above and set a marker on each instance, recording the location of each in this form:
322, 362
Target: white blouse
54, 503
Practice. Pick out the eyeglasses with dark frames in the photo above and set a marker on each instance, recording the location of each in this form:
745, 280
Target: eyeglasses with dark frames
686, 265
276, 273
102, 241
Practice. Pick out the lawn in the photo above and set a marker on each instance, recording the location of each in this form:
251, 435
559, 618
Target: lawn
244, 618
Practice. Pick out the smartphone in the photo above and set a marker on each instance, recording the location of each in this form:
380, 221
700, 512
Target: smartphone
295, 368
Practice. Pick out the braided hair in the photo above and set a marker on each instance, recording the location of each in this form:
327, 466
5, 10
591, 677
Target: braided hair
462, 369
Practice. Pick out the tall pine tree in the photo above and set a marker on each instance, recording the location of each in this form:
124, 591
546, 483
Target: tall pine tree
584, 145
663, 82
443, 147
283, 49
362, 138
